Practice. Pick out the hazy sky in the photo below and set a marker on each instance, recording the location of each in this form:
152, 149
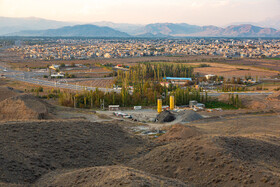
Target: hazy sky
201, 12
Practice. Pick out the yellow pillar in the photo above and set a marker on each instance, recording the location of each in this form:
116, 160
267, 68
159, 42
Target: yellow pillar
159, 108
171, 102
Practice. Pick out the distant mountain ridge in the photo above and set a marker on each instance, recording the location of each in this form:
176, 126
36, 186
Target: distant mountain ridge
42, 27
75, 31
10, 25
123, 27
185, 30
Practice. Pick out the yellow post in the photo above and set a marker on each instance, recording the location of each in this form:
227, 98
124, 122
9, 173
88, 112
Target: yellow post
159, 105
171, 102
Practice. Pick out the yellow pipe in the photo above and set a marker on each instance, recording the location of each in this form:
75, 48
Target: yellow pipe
171, 102
159, 108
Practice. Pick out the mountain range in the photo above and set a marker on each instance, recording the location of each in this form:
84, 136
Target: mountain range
74, 31
42, 27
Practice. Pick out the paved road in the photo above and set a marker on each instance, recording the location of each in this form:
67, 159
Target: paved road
238, 93
30, 77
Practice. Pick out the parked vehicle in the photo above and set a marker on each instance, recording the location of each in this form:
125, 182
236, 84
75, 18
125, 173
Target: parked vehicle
127, 116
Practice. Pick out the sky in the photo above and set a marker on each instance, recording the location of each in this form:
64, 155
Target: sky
200, 12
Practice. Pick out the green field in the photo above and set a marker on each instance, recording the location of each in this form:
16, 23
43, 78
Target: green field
217, 104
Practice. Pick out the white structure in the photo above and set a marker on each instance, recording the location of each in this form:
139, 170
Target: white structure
58, 75
209, 76
114, 107
137, 107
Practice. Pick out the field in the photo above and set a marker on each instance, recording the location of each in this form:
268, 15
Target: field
272, 64
269, 85
231, 70
102, 83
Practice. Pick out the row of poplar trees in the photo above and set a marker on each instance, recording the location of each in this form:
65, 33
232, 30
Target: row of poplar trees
145, 80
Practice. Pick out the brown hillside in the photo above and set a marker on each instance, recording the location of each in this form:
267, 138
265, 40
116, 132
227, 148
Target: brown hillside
274, 97
179, 132
31, 149
7, 92
215, 161
257, 102
23, 107
107, 176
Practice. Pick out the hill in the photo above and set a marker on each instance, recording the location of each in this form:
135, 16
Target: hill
249, 31
184, 30
32, 149
42, 27
106, 176
123, 27
170, 29
214, 161
74, 31
12, 25
7, 92
23, 107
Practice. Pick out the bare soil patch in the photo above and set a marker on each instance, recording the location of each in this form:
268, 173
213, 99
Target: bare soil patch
31, 149
257, 102
179, 132
228, 71
7, 92
103, 83
204, 162
107, 176
23, 107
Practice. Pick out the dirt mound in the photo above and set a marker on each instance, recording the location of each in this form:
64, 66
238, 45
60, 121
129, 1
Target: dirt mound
10, 185
107, 176
252, 150
7, 92
255, 102
202, 162
179, 132
23, 107
274, 97
31, 149
165, 116
189, 115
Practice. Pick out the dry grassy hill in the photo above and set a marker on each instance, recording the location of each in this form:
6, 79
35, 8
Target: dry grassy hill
7, 92
107, 176
23, 107
215, 161
31, 149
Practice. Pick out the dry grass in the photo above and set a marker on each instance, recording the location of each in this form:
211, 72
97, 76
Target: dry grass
31, 149
227, 152
106, 176
96, 83
229, 71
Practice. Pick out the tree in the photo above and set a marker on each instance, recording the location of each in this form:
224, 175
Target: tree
238, 81
233, 80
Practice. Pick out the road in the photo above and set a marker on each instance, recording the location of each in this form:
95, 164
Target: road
238, 93
31, 77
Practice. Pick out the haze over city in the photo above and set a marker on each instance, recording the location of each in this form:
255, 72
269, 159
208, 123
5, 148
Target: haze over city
202, 12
